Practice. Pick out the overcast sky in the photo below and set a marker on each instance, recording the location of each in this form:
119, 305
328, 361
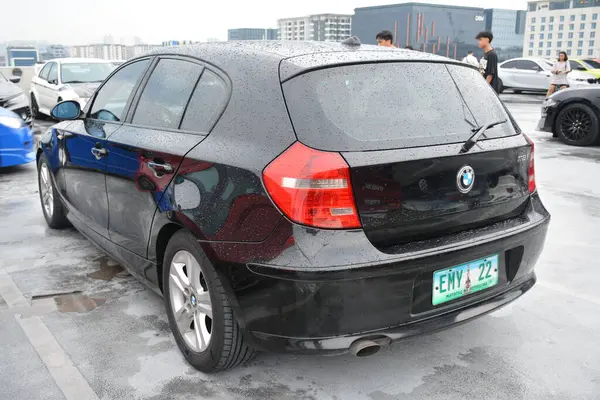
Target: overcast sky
72, 22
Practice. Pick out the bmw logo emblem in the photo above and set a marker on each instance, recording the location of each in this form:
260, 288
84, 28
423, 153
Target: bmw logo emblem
465, 179
193, 300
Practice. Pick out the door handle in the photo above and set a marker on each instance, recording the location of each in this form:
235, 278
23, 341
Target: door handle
160, 168
99, 152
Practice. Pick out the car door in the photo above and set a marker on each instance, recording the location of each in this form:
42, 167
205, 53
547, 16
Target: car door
531, 75
508, 71
175, 110
51, 89
41, 87
85, 151
39, 82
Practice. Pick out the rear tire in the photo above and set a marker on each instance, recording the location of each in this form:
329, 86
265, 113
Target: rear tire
52, 208
210, 341
578, 125
500, 86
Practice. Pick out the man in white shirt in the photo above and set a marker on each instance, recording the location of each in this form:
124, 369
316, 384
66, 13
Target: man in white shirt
470, 59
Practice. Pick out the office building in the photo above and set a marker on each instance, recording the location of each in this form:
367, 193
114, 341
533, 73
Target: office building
102, 51
445, 30
508, 27
554, 26
21, 56
252, 34
320, 27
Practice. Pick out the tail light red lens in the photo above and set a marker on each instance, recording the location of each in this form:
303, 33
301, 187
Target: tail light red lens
312, 188
531, 170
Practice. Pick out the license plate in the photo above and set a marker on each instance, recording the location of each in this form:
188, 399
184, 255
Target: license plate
461, 280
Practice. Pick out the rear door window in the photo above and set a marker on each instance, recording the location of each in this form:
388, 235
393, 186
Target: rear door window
207, 103
165, 96
392, 105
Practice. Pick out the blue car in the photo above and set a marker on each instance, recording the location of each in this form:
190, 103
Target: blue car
16, 140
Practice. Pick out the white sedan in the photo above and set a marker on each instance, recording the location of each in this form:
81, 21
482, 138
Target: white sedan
67, 79
533, 75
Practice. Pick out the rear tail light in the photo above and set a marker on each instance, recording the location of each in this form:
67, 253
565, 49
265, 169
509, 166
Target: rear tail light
312, 188
531, 168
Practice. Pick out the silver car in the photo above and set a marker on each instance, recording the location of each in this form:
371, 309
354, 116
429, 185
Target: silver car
533, 75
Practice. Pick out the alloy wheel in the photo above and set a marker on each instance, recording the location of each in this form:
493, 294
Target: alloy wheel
190, 301
576, 124
46, 190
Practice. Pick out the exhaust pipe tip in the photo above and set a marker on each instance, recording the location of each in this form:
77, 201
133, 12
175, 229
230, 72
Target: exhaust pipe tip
364, 348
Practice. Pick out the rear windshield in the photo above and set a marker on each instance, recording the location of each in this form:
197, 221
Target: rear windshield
392, 105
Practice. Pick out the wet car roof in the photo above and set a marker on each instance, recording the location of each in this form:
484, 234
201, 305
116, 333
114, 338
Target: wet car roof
294, 56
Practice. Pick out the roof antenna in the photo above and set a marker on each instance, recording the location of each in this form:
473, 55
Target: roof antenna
352, 41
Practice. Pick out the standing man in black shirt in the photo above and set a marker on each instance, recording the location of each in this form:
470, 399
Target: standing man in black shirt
489, 62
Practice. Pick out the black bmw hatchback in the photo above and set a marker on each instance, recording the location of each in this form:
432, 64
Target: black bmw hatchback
307, 197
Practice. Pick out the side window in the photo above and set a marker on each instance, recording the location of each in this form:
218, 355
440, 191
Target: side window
53, 74
574, 65
44, 71
509, 65
109, 103
166, 94
206, 103
528, 65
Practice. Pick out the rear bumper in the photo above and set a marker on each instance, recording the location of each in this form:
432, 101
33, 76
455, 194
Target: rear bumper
340, 344
317, 311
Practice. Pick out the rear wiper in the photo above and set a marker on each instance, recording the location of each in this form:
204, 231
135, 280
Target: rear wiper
477, 132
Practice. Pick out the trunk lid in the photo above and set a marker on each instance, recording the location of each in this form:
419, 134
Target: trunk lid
407, 195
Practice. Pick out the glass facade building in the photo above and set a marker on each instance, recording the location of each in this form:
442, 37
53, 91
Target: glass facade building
440, 29
508, 27
252, 34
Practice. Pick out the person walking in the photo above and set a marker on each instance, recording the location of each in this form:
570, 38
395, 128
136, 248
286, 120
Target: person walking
488, 65
385, 39
470, 59
560, 69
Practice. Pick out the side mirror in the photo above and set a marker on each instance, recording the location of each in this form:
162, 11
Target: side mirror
66, 110
15, 79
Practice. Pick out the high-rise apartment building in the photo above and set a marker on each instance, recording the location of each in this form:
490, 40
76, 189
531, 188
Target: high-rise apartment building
562, 25
252, 34
102, 51
320, 27
140, 49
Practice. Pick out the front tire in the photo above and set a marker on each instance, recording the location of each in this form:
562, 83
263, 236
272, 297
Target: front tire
52, 208
35, 108
578, 125
198, 309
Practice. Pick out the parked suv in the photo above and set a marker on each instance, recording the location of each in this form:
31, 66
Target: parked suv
67, 79
305, 197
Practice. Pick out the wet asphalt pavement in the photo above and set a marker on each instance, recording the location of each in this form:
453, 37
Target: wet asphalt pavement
73, 325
